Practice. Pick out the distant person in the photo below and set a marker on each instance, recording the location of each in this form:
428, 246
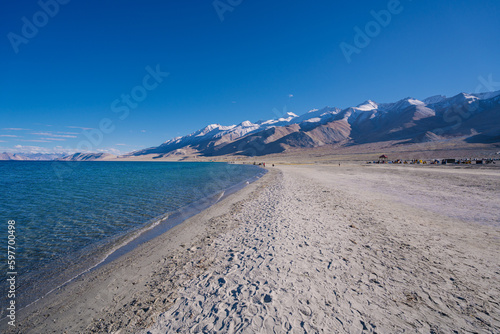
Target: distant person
273, 165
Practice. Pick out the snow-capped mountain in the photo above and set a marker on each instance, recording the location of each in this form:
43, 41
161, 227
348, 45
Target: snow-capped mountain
409, 119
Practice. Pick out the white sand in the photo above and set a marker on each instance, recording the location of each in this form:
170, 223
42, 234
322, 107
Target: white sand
328, 250
323, 249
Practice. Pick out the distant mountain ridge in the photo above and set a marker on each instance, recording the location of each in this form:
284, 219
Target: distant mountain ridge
87, 157
56, 156
475, 116
30, 156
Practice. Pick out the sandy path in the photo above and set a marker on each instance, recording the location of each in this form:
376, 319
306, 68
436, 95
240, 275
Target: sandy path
321, 251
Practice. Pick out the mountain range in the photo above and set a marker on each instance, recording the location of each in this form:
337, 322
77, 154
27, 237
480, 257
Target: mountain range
475, 117
31, 156
56, 156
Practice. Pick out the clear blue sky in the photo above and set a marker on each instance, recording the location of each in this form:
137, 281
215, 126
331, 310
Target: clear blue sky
74, 71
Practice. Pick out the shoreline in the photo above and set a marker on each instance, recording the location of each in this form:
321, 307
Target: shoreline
316, 248
90, 258
34, 315
328, 249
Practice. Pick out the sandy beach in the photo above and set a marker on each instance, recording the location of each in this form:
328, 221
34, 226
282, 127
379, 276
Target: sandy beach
307, 249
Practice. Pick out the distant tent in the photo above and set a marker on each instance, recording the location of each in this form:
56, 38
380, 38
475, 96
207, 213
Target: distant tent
383, 156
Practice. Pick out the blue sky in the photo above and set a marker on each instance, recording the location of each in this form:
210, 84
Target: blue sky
67, 70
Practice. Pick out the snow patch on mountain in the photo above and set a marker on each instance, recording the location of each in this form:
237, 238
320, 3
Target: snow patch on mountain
488, 95
367, 106
434, 99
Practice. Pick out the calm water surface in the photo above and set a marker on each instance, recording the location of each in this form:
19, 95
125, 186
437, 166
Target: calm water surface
62, 218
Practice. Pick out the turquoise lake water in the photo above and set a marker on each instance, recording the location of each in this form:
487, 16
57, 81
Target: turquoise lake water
63, 219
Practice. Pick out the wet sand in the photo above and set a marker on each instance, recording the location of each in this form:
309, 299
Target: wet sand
308, 248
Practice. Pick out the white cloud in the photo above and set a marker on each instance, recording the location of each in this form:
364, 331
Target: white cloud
290, 95
12, 136
143, 130
31, 149
58, 149
68, 133
52, 135
54, 139
121, 144
64, 136
38, 149
110, 151
35, 140
79, 127
15, 129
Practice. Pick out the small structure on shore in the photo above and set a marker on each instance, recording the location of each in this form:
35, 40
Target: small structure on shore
383, 159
